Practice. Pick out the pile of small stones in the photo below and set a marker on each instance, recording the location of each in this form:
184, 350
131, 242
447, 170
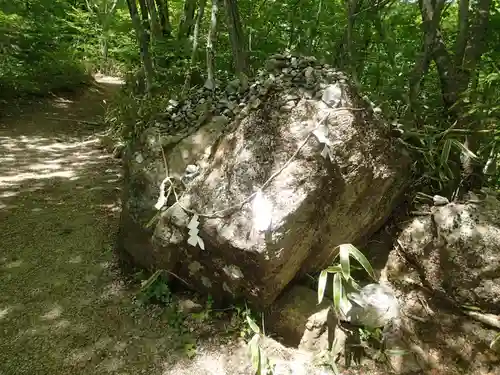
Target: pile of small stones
293, 77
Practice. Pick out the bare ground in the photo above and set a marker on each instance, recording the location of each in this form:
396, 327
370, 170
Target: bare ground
64, 307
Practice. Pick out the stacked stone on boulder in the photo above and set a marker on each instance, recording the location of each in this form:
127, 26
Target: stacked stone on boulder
278, 170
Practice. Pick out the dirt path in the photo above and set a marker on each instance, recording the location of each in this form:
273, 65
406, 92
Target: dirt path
63, 306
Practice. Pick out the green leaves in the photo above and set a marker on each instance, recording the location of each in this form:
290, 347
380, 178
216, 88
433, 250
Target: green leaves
445, 153
356, 254
344, 261
260, 362
341, 283
338, 291
323, 278
464, 149
253, 346
342, 279
253, 326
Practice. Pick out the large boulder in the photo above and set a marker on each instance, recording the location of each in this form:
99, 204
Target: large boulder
456, 248
279, 171
445, 273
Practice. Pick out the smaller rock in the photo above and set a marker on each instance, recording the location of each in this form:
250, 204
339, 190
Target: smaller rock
188, 306
263, 91
308, 73
278, 56
289, 105
255, 103
440, 201
374, 306
332, 95
300, 321
272, 64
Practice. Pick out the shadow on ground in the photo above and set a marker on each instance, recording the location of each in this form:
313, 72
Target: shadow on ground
64, 308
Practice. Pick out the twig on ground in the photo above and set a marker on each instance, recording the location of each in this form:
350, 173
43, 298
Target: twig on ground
74, 120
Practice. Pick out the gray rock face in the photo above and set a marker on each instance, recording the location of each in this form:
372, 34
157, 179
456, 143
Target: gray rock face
328, 171
373, 306
457, 249
443, 260
298, 319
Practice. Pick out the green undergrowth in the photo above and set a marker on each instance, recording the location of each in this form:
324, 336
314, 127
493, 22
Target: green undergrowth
55, 46
201, 323
36, 57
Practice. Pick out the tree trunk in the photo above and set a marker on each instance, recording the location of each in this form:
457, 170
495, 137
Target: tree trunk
144, 18
293, 27
166, 26
352, 6
455, 75
187, 19
463, 31
104, 48
430, 26
153, 19
144, 13
199, 18
236, 37
473, 176
313, 32
211, 38
142, 39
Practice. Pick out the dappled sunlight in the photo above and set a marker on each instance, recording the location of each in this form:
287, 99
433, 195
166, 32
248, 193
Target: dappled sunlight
35, 164
14, 264
113, 207
108, 80
63, 298
75, 259
61, 102
114, 290
41, 159
112, 364
54, 313
4, 311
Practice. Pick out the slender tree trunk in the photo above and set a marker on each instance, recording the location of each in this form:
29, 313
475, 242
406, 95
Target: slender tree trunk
431, 27
313, 32
199, 18
143, 45
236, 37
292, 27
455, 75
463, 31
144, 18
473, 175
153, 19
211, 38
345, 54
144, 13
389, 43
187, 19
163, 12
104, 48
352, 6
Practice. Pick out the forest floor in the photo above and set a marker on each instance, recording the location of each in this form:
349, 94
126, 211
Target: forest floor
65, 305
